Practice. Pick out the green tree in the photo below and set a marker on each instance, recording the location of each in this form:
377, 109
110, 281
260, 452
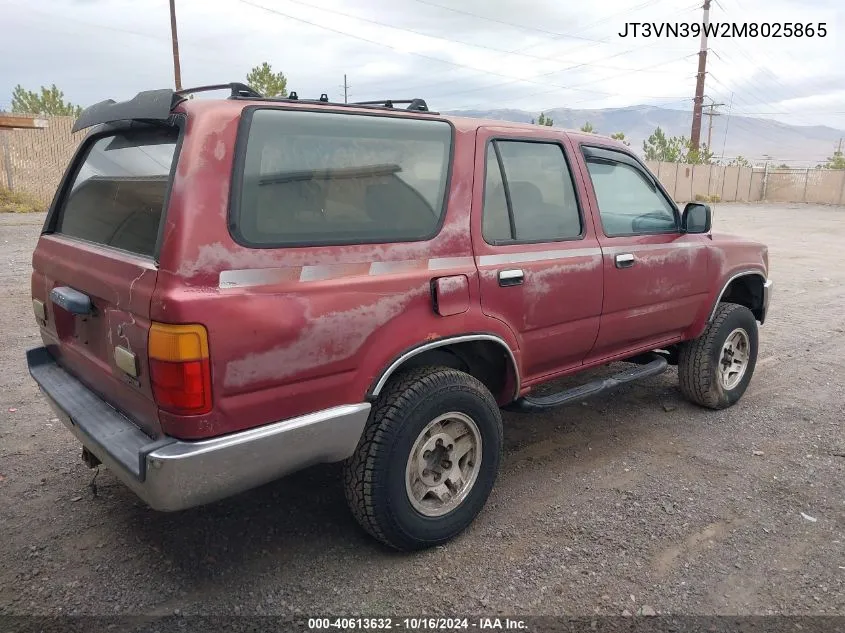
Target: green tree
662, 148
620, 136
783, 166
543, 120
702, 156
588, 127
675, 149
50, 101
739, 161
837, 161
264, 80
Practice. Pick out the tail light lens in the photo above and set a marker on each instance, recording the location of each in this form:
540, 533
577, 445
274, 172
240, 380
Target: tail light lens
180, 371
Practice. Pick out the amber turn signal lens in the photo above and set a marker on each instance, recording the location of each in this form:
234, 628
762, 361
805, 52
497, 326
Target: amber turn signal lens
180, 370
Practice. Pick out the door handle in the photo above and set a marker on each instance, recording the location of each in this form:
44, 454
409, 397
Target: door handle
72, 300
624, 260
512, 277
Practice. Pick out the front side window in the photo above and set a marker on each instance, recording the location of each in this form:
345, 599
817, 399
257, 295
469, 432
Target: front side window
117, 196
529, 194
629, 201
331, 178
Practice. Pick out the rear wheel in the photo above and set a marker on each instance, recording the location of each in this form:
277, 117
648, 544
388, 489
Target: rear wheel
715, 369
427, 460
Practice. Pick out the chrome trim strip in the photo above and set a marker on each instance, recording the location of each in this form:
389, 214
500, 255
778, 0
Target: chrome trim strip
440, 343
633, 248
728, 283
248, 277
441, 263
390, 268
536, 256
257, 277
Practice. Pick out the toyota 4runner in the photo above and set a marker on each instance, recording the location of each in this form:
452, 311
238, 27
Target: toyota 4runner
230, 290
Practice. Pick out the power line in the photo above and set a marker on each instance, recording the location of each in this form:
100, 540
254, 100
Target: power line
512, 24
577, 87
429, 57
592, 63
450, 40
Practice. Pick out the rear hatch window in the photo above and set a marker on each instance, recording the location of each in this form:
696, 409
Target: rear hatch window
118, 193
312, 178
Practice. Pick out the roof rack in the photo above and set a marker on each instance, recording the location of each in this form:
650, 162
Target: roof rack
238, 90
413, 104
157, 105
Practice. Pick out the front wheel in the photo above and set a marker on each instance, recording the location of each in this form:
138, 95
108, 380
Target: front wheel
714, 370
427, 460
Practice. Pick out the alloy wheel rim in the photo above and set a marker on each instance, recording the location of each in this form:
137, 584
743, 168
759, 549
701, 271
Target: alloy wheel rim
733, 360
443, 465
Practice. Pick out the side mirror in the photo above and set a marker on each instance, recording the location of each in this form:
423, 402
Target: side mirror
697, 218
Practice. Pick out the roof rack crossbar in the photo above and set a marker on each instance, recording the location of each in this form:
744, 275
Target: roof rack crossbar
237, 89
413, 104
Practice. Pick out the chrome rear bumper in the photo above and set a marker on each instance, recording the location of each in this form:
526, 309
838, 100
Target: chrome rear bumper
170, 474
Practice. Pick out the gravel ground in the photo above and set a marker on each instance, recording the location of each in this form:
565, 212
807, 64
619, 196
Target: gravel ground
634, 498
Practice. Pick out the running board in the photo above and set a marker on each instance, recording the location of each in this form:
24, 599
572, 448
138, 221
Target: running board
528, 404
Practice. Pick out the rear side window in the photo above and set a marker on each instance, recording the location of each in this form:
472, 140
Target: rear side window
529, 195
117, 196
328, 178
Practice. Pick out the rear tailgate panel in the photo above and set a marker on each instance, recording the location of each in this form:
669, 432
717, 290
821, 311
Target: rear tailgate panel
120, 287
100, 240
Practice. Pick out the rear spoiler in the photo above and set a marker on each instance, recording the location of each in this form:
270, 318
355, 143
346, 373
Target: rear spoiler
150, 105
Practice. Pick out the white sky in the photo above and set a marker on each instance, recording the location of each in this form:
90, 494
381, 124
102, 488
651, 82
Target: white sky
528, 54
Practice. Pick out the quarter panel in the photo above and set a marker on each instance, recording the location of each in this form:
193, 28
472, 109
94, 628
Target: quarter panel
297, 329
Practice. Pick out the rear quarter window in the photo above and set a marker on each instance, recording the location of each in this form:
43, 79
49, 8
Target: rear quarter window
118, 192
311, 178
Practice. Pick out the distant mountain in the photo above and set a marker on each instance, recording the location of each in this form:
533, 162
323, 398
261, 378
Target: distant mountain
747, 136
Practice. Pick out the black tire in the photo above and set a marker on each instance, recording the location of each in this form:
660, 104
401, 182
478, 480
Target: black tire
374, 477
698, 360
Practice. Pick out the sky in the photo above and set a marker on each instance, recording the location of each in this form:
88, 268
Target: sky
532, 55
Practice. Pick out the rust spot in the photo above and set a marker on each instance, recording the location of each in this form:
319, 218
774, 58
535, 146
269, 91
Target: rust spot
432, 336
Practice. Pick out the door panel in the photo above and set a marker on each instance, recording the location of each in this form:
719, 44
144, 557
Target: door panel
548, 291
654, 298
655, 277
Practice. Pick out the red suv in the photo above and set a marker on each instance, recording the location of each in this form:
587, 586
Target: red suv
229, 290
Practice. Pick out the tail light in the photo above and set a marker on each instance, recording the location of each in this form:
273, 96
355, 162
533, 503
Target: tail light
180, 372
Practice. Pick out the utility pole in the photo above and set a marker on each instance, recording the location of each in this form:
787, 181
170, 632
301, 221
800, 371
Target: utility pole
710, 116
695, 134
177, 72
345, 89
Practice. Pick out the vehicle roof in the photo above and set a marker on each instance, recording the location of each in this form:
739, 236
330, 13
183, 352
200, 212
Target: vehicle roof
462, 124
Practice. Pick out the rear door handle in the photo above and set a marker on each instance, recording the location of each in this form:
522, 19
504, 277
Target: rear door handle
72, 300
512, 277
624, 260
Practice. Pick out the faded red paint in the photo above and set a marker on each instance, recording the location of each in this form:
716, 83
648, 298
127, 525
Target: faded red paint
292, 346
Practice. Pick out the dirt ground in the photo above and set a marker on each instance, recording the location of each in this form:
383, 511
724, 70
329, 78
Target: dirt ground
634, 498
